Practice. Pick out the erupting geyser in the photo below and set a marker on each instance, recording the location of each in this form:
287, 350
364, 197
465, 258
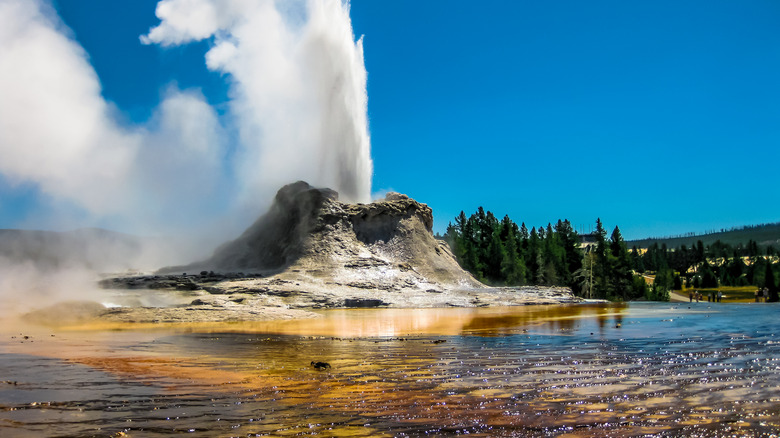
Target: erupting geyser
296, 109
298, 88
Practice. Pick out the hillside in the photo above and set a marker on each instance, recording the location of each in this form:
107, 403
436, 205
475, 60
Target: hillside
765, 235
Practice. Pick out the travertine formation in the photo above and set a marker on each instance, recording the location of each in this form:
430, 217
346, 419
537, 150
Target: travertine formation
311, 251
308, 235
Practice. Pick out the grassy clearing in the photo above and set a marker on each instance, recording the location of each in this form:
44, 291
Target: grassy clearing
731, 294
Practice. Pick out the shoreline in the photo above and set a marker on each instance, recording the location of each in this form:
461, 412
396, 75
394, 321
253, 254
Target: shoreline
295, 294
271, 299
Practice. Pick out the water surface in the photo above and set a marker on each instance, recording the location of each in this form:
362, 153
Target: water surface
580, 370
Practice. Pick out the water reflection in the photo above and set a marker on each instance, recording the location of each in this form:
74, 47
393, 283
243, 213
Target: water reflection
639, 370
542, 319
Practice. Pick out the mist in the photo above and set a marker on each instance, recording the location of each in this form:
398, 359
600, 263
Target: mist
190, 176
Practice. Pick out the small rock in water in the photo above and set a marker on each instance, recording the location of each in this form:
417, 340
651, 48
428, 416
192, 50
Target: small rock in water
320, 365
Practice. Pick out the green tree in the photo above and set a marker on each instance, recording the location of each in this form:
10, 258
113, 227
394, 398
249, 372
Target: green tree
664, 280
471, 260
770, 283
500, 252
619, 272
571, 255
494, 255
534, 261
700, 257
639, 287
554, 258
512, 266
708, 277
601, 267
636, 260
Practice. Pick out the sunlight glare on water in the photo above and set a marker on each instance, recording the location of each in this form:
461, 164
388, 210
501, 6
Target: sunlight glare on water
580, 370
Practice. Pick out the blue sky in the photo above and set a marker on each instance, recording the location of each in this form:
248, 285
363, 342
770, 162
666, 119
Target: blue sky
661, 117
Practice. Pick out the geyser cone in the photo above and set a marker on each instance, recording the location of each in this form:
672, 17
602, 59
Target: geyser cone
308, 235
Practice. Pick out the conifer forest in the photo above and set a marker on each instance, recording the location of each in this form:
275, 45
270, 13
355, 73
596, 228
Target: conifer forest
502, 253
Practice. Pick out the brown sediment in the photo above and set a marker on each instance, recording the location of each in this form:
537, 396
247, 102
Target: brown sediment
346, 322
169, 372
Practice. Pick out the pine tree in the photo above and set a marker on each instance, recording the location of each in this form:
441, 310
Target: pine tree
534, 261
769, 282
699, 252
736, 268
664, 281
572, 256
494, 258
601, 267
639, 288
503, 253
708, 277
636, 260
512, 267
619, 271
552, 253
471, 248
522, 242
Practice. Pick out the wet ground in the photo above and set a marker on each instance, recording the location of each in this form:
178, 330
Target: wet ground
704, 370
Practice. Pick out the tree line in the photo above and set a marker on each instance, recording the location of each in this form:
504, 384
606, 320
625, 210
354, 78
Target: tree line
499, 252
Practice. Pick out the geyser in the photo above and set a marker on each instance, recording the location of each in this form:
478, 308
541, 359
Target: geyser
297, 110
298, 86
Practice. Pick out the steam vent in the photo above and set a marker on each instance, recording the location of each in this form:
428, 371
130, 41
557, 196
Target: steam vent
308, 235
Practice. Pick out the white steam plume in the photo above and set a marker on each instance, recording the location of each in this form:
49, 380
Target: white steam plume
58, 132
55, 128
298, 101
298, 89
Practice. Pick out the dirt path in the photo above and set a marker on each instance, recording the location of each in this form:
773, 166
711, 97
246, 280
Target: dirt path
677, 297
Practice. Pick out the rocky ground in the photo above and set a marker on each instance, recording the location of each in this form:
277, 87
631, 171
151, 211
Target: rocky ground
295, 296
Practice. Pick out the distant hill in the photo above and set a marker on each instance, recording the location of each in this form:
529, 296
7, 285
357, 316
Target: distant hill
91, 248
765, 235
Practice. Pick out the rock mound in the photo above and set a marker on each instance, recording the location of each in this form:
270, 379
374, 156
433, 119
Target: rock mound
309, 236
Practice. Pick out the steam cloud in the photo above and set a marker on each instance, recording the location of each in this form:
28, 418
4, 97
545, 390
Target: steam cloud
297, 110
298, 106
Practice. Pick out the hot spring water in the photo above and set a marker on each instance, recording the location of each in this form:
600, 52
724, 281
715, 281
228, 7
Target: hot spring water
609, 370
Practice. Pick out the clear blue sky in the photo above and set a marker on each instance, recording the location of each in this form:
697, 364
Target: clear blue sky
661, 117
